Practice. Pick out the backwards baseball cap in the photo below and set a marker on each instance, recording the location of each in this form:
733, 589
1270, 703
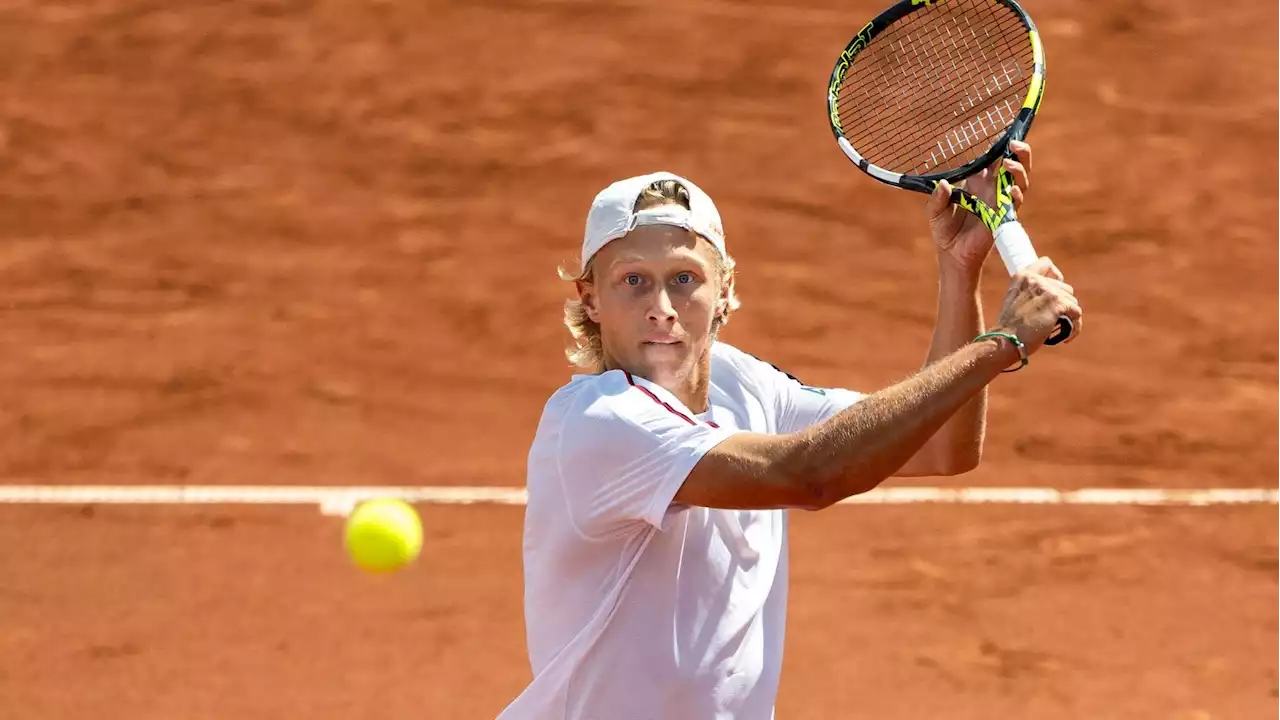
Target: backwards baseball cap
613, 214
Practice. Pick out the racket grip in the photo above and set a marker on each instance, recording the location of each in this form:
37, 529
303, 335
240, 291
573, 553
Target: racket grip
1017, 252
1015, 246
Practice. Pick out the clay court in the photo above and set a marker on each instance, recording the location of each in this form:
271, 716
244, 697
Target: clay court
314, 243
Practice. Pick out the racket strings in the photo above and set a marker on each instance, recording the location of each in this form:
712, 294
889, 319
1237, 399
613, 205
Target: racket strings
1007, 74
953, 138
933, 90
968, 130
902, 34
927, 78
976, 124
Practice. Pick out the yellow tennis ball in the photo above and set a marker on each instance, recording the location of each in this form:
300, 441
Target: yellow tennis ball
383, 535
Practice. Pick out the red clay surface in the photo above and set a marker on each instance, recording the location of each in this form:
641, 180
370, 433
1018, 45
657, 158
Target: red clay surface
975, 612
314, 242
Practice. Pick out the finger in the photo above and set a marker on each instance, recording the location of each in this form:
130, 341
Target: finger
939, 200
1071, 308
1050, 294
1042, 266
1052, 272
1073, 312
1022, 151
1019, 174
1056, 289
1015, 193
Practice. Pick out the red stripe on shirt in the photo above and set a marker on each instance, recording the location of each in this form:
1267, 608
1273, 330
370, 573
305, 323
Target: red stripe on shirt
631, 381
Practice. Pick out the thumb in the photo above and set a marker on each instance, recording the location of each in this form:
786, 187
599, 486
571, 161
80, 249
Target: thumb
939, 200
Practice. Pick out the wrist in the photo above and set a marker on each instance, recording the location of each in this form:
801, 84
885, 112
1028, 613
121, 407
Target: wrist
1011, 349
953, 274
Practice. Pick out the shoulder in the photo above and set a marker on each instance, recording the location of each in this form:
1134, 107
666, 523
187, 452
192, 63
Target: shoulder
747, 365
585, 394
583, 418
612, 400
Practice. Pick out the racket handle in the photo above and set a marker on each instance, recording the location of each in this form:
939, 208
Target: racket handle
1015, 246
1017, 252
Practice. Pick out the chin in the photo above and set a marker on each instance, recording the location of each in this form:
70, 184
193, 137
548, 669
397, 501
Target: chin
660, 360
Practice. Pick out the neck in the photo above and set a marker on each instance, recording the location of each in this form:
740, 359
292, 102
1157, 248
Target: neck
695, 391
692, 387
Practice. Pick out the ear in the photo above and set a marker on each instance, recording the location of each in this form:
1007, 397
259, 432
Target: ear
587, 294
722, 302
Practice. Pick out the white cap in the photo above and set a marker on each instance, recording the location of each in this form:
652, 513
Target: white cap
612, 215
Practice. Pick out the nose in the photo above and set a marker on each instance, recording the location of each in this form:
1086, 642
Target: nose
660, 308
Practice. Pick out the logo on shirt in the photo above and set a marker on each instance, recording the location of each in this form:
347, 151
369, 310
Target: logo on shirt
819, 391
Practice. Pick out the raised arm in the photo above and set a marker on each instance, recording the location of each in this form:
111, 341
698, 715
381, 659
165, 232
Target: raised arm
963, 245
858, 448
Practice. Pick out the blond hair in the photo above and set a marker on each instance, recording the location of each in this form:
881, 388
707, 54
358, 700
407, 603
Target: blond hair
587, 352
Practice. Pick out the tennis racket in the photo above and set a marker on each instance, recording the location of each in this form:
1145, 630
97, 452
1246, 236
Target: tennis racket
935, 90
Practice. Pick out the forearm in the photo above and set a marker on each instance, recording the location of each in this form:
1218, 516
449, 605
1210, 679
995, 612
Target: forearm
959, 318
957, 445
868, 442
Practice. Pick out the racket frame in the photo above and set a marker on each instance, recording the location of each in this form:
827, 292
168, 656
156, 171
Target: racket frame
1010, 237
1017, 129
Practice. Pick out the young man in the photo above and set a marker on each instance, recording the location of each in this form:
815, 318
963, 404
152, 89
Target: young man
655, 544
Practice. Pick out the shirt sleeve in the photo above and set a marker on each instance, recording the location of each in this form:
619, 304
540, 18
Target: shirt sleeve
796, 406
800, 406
622, 458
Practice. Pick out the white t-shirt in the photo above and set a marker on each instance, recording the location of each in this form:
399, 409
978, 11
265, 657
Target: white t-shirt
635, 608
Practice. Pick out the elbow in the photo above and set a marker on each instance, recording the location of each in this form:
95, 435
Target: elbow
947, 462
969, 458
813, 498
820, 492
951, 468
806, 482
800, 490
961, 463
803, 491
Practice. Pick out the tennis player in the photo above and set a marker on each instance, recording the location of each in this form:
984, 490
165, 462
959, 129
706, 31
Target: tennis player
655, 540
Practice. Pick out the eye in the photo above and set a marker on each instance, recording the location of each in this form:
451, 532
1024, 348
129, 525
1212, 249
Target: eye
631, 279
684, 278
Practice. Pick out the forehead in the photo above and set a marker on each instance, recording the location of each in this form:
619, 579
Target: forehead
656, 242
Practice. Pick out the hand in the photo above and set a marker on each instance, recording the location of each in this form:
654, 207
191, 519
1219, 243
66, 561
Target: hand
963, 241
1037, 297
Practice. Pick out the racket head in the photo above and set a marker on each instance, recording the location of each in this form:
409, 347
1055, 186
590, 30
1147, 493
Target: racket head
965, 77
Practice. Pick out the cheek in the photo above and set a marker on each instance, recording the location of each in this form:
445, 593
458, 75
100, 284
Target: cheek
700, 302
614, 304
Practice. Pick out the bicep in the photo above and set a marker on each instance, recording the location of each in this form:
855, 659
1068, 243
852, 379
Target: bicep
747, 471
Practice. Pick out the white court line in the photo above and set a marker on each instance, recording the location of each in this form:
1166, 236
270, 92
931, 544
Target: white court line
338, 500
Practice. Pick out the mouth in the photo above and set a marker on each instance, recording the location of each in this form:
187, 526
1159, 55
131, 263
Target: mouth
663, 342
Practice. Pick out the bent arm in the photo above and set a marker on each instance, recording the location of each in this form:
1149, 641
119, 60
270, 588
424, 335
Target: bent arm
957, 446
849, 453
